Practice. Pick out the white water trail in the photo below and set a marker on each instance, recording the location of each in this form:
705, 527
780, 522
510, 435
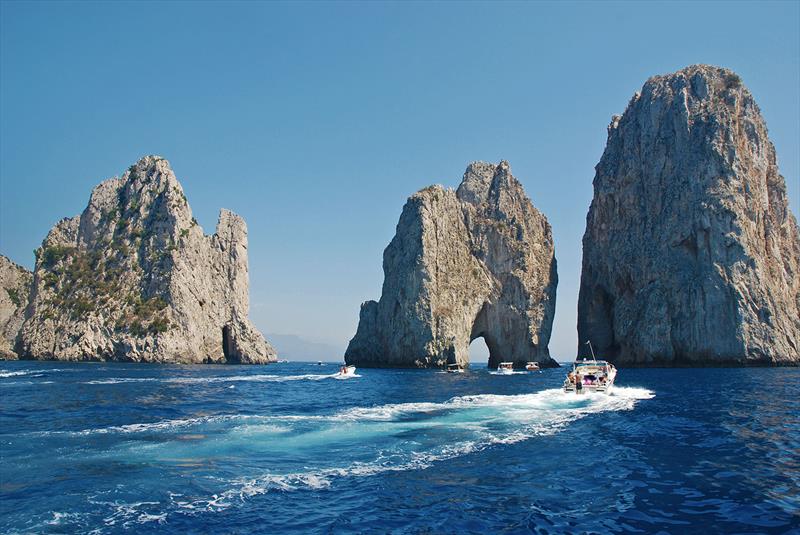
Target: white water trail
220, 379
29, 373
508, 407
474, 424
530, 415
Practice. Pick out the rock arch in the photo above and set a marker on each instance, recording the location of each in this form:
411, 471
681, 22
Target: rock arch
476, 262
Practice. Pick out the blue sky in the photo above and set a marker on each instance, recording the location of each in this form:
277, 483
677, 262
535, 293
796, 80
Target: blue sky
315, 121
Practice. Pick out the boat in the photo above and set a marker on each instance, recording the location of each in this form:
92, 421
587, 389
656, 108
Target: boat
532, 366
346, 371
590, 375
455, 368
506, 368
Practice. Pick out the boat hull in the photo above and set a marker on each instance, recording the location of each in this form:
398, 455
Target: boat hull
587, 389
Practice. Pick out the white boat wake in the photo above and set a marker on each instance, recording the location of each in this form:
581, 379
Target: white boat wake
219, 379
360, 442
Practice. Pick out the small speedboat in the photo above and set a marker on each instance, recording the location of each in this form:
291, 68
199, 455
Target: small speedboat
346, 371
590, 375
532, 366
455, 368
506, 368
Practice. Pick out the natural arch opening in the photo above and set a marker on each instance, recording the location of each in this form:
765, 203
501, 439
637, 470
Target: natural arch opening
487, 348
478, 351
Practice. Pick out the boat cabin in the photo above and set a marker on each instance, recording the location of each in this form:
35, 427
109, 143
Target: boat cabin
592, 373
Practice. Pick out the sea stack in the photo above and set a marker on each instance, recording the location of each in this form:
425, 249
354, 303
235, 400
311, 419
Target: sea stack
476, 262
134, 278
691, 255
15, 286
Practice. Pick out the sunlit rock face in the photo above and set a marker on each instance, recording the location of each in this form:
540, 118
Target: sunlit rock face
134, 278
690, 255
15, 285
476, 262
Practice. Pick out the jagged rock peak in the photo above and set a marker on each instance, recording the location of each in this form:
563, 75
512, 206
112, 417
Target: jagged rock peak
476, 262
134, 278
691, 255
15, 285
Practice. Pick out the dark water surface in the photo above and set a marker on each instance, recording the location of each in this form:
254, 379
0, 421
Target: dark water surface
115, 448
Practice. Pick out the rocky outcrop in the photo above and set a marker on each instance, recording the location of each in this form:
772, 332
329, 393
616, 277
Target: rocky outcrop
691, 256
476, 262
134, 278
15, 285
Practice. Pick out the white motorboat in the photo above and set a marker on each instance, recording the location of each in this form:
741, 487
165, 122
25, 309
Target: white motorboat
532, 366
590, 375
346, 371
506, 368
455, 368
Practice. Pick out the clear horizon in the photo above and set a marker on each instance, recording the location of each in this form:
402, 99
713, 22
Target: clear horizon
316, 122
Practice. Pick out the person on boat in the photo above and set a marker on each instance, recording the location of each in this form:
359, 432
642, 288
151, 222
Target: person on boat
571, 378
578, 385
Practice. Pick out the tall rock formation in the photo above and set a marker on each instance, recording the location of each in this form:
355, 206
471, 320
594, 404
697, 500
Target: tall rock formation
691, 255
477, 262
134, 278
15, 285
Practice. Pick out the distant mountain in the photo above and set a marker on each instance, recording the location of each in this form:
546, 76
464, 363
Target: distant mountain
293, 347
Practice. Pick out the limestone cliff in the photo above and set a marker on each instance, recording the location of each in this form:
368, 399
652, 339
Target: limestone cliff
134, 278
15, 285
476, 262
691, 255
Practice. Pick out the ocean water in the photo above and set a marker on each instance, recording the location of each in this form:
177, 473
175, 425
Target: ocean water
288, 448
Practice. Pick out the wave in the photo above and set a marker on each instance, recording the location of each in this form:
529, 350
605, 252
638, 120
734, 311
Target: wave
25, 383
27, 373
121, 380
13, 374
220, 379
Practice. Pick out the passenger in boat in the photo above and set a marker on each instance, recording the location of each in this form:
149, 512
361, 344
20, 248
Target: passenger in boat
571, 378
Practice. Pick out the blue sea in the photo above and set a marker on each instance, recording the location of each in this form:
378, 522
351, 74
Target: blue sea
289, 448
